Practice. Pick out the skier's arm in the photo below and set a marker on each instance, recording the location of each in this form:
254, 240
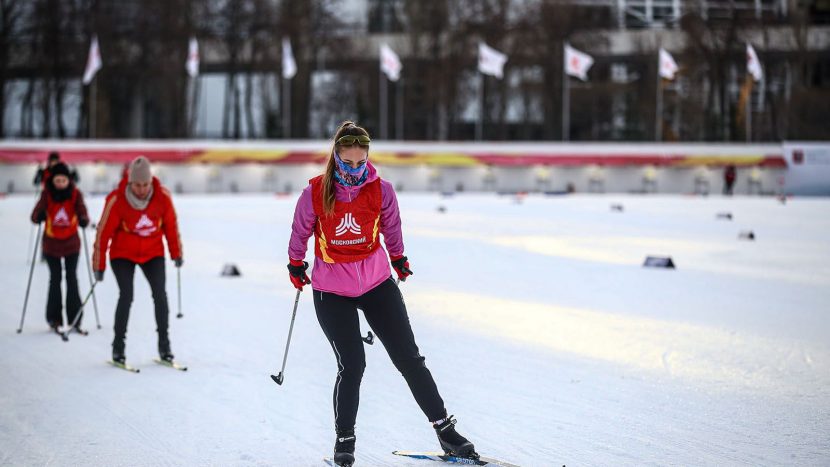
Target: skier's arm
39, 212
170, 224
390, 227
302, 227
106, 228
390, 221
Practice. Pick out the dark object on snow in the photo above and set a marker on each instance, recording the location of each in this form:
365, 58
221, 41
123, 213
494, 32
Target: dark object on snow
617, 207
746, 235
664, 262
442, 209
230, 270
724, 215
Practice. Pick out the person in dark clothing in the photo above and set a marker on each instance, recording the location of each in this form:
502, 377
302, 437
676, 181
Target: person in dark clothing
137, 216
729, 175
346, 209
61, 206
42, 173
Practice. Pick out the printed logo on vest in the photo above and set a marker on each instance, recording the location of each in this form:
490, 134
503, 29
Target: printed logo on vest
144, 227
347, 224
61, 218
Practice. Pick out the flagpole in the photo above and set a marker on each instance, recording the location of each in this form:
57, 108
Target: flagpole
399, 109
93, 108
748, 116
566, 100
384, 107
658, 111
480, 122
286, 106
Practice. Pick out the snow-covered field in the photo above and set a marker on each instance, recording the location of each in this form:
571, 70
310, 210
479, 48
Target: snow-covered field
549, 342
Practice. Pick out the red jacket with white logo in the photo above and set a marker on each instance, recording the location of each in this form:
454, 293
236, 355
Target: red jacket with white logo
60, 237
351, 232
135, 234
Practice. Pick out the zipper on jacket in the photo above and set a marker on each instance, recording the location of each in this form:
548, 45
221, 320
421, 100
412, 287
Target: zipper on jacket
359, 279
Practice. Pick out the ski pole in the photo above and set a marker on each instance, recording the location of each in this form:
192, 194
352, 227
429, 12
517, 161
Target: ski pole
32, 239
179, 288
280, 377
29, 285
83, 304
91, 284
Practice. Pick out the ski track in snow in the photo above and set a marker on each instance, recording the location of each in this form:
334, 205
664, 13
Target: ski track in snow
548, 341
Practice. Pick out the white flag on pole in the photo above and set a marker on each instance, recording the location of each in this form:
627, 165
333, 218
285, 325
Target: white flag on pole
577, 63
289, 66
491, 61
753, 65
668, 67
192, 63
93, 61
390, 63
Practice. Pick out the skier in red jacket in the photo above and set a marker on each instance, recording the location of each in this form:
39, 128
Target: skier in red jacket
136, 216
61, 206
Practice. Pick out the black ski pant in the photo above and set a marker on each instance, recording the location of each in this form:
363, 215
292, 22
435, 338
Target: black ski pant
153, 270
54, 301
385, 312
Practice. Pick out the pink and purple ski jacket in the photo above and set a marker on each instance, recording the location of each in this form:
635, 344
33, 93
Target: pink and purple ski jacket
356, 278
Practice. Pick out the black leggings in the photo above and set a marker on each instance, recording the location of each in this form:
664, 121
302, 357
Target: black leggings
153, 270
385, 312
73, 299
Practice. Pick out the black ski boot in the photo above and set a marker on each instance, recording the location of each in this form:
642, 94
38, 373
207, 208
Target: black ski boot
344, 448
164, 349
118, 351
451, 442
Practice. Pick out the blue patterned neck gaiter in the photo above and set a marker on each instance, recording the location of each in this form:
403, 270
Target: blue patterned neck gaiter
347, 175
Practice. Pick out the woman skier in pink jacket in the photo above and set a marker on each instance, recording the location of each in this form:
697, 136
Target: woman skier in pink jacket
346, 209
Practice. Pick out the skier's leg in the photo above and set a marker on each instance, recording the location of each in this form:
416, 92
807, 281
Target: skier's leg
338, 319
385, 312
73, 296
154, 272
124, 271
53, 301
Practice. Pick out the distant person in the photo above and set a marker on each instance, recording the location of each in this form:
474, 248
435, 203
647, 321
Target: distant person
136, 216
346, 209
43, 172
61, 206
729, 175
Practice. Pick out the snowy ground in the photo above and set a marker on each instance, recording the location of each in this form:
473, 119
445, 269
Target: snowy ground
549, 341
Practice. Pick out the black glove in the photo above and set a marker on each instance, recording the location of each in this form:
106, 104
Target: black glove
296, 272
83, 222
41, 217
99, 276
401, 265
178, 261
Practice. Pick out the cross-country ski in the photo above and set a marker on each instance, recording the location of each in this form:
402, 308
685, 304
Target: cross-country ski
450, 459
171, 364
124, 366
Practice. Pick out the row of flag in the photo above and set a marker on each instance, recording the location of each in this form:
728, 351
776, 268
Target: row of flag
94, 62
490, 62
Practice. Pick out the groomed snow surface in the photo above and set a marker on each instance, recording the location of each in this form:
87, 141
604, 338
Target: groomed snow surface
549, 341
